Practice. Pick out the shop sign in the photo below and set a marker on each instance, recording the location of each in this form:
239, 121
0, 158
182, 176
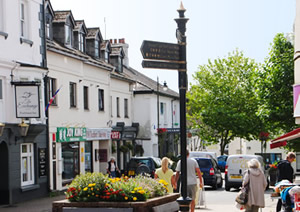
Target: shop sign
98, 134
115, 135
27, 101
128, 135
70, 134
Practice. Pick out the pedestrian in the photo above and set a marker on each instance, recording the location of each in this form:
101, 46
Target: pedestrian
112, 168
166, 174
285, 172
192, 169
257, 186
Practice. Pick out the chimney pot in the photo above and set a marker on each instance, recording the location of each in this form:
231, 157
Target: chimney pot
116, 41
110, 40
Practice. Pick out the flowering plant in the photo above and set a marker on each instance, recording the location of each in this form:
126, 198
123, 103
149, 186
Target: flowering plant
92, 187
273, 166
161, 131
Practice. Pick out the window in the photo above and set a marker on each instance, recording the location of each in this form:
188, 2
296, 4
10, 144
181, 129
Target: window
52, 90
85, 97
97, 49
101, 100
106, 56
72, 94
118, 107
27, 164
81, 41
120, 64
111, 106
23, 19
1, 89
48, 26
161, 108
68, 35
126, 108
1, 16
88, 157
70, 156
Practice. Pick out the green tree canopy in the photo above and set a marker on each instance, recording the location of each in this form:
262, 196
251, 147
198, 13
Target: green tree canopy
223, 102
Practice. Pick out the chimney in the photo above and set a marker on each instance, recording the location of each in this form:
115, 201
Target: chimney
115, 41
110, 40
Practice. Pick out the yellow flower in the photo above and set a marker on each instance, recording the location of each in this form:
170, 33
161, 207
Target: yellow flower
106, 185
133, 192
93, 194
92, 184
126, 198
92, 188
135, 189
134, 198
141, 191
139, 188
85, 189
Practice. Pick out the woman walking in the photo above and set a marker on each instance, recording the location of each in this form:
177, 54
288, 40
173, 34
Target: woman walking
257, 185
112, 168
166, 174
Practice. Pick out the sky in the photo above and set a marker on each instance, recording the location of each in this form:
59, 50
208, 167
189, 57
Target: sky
215, 27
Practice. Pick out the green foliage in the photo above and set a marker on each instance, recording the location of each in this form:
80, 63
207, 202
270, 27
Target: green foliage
223, 102
91, 187
275, 87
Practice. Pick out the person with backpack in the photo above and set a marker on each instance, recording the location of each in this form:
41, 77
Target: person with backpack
112, 168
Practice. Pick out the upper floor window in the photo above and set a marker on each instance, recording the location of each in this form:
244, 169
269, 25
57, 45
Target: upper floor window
101, 100
106, 56
126, 108
48, 27
81, 41
111, 107
72, 94
97, 49
27, 164
85, 97
120, 64
118, 107
68, 35
23, 19
1, 89
52, 90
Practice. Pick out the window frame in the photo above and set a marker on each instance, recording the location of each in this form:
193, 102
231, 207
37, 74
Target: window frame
73, 94
23, 20
85, 97
52, 88
126, 108
68, 35
100, 99
81, 46
30, 161
97, 48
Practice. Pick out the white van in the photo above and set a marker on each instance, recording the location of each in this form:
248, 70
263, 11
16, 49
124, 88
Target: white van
197, 154
235, 167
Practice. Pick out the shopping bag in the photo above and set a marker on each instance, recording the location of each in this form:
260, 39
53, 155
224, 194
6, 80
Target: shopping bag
201, 200
242, 197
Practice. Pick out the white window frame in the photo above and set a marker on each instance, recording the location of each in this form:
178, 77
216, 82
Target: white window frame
100, 100
118, 107
23, 19
73, 95
126, 115
29, 155
80, 41
97, 48
68, 35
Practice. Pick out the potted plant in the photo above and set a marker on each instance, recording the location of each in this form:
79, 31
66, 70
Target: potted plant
273, 173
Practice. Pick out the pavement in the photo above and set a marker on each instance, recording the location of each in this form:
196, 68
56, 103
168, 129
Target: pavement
45, 204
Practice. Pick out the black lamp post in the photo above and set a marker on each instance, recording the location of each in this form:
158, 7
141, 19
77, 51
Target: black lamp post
184, 200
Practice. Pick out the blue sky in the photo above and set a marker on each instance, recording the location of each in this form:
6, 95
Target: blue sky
215, 27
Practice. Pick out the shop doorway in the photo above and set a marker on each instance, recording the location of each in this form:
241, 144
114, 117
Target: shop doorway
4, 190
70, 156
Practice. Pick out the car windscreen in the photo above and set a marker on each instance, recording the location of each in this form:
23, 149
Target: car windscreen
204, 163
147, 162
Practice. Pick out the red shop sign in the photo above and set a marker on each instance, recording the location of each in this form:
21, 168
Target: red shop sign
115, 135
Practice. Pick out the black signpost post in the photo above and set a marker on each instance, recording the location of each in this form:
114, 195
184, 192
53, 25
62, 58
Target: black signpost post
173, 56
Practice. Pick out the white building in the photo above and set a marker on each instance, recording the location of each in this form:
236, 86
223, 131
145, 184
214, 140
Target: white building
22, 70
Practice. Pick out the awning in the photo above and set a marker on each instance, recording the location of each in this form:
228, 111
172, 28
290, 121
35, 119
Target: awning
282, 140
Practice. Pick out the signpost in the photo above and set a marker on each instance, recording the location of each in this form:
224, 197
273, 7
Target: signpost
173, 56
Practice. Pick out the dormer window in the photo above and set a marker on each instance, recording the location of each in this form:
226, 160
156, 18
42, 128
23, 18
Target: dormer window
97, 48
81, 41
68, 35
106, 56
120, 64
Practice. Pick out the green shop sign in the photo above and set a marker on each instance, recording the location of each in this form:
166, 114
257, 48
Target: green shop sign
70, 134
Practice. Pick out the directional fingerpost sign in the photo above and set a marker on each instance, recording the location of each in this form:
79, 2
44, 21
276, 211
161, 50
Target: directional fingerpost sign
161, 55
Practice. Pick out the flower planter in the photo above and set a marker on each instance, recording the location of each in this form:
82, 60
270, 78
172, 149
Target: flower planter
163, 203
273, 177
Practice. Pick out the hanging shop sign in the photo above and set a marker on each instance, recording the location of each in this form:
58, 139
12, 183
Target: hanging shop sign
70, 134
98, 134
27, 101
115, 135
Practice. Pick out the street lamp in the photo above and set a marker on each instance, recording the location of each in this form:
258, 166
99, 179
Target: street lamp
23, 128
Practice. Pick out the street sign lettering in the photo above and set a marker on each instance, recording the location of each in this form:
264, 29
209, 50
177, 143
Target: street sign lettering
160, 51
162, 65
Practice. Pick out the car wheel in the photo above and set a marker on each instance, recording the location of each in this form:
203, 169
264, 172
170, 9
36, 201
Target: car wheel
142, 169
220, 184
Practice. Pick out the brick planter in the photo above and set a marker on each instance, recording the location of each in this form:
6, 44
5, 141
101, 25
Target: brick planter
164, 203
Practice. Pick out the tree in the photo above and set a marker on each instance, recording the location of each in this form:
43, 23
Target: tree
276, 87
223, 103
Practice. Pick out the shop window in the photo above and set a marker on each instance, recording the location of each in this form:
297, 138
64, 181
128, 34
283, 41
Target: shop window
118, 107
101, 100
72, 94
27, 164
126, 108
70, 156
88, 158
85, 97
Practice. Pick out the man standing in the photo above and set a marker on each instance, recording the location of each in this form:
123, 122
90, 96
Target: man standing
285, 172
192, 169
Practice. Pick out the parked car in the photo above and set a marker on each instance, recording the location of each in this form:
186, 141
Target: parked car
211, 172
235, 167
222, 162
197, 154
143, 165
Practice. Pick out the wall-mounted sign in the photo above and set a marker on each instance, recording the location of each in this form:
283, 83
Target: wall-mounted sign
98, 134
27, 101
42, 162
115, 135
70, 134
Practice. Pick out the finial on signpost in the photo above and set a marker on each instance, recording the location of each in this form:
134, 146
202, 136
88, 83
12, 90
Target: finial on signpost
181, 10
